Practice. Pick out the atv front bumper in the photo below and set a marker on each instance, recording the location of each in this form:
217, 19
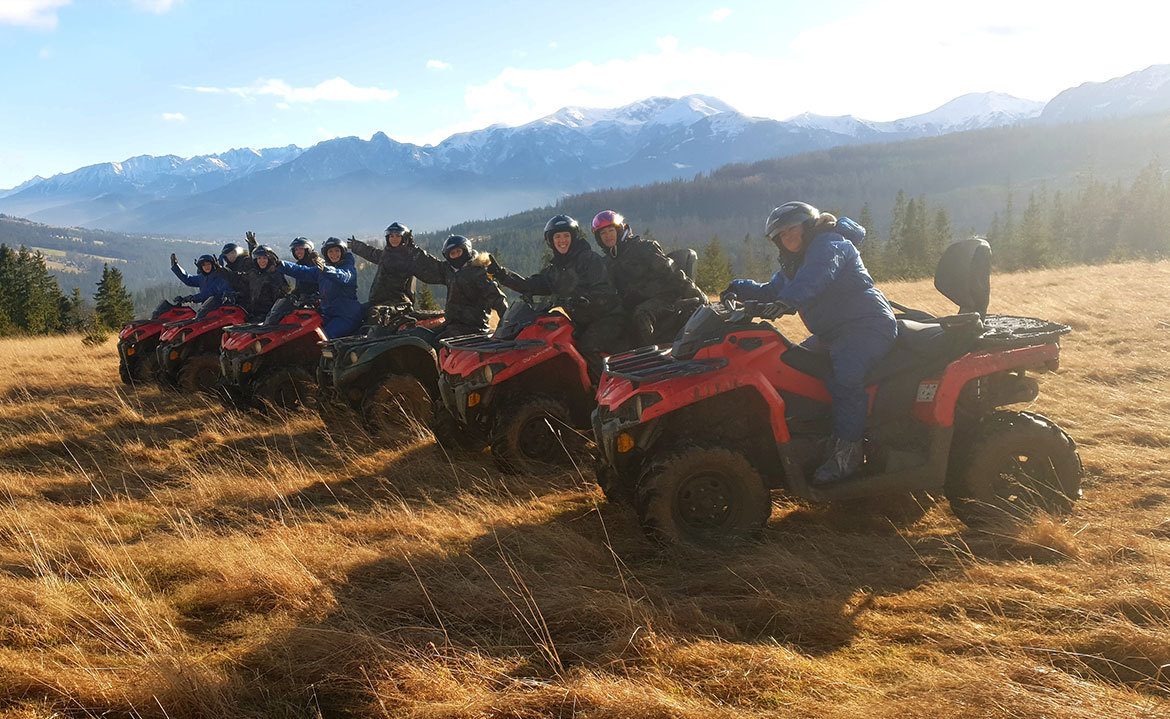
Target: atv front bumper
468, 401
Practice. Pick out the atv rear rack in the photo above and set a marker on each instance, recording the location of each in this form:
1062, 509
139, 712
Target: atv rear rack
1006, 332
487, 344
652, 364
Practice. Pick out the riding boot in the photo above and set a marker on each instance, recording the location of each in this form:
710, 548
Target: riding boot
844, 461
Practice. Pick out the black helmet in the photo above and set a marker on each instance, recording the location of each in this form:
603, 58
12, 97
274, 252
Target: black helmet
788, 215
301, 242
562, 223
231, 246
400, 229
458, 241
334, 242
265, 250
206, 258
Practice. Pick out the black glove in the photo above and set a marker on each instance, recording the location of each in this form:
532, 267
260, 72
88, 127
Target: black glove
250, 237
174, 260
181, 300
772, 310
728, 294
493, 267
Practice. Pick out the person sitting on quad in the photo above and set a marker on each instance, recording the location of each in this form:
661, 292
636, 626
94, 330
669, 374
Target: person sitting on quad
394, 280
305, 256
657, 296
265, 284
211, 280
578, 279
823, 278
238, 264
337, 279
471, 294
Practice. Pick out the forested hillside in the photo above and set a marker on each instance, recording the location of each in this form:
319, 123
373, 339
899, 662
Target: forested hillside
1085, 183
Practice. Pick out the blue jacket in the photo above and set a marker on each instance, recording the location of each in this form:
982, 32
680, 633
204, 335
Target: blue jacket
830, 289
338, 286
210, 285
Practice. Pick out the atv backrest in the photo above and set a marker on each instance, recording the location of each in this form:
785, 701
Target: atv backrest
685, 260
964, 275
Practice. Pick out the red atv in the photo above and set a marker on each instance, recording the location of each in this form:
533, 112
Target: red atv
273, 363
697, 435
138, 339
187, 355
523, 389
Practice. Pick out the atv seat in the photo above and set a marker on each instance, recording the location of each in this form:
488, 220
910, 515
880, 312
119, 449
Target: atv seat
963, 276
685, 260
920, 346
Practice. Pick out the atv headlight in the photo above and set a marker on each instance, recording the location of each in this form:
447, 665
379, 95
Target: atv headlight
485, 374
631, 410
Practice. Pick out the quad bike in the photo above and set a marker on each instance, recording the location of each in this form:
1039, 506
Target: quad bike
187, 356
138, 339
696, 435
524, 389
388, 374
271, 364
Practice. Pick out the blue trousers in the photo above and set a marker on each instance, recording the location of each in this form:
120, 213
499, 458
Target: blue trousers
854, 350
343, 322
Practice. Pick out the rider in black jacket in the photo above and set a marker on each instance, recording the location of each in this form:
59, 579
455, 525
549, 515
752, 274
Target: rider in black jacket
471, 294
657, 296
579, 281
397, 263
266, 284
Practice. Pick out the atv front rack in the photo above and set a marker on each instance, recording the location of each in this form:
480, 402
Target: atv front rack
488, 344
652, 364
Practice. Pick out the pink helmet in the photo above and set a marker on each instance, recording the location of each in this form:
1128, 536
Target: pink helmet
608, 218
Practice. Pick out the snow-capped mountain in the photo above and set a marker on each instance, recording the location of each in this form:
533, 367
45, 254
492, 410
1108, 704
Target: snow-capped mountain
501, 169
973, 111
1143, 91
22, 186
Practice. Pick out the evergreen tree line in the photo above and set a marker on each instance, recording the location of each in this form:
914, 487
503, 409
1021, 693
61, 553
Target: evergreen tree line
32, 303
1095, 222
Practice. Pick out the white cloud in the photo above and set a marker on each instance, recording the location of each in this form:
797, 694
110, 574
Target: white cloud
719, 15
335, 90
156, 6
174, 116
40, 14
282, 106
438, 65
930, 53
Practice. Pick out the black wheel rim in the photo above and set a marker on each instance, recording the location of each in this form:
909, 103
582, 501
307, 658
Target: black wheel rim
705, 501
539, 440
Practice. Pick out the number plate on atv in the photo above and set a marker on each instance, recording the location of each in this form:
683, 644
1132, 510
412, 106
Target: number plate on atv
926, 391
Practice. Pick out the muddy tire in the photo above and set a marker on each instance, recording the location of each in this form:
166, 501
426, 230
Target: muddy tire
700, 495
286, 389
532, 434
451, 435
124, 373
200, 373
1015, 466
397, 408
617, 489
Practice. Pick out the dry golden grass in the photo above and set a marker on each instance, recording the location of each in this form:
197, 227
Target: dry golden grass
159, 557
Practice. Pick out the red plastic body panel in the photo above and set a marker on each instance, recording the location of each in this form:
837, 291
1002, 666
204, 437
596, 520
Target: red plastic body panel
555, 330
149, 327
941, 411
759, 368
216, 319
294, 325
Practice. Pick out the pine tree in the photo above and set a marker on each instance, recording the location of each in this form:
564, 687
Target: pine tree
425, 299
941, 235
1033, 242
713, 270
755, 265
113, 303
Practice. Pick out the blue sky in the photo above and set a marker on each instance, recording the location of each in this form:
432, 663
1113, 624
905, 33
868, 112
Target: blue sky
86, 81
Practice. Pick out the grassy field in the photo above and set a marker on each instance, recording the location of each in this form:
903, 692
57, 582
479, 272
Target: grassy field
160, 557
